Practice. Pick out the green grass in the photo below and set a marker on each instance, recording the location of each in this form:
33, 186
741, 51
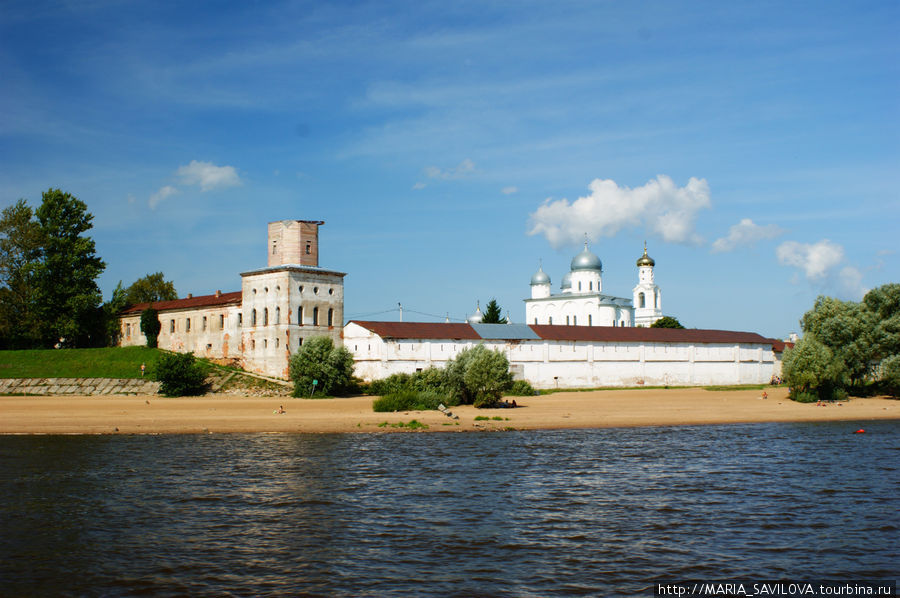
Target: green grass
110, 362
412, 425
737, 387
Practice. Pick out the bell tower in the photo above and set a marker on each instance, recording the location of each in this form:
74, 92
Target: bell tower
294, 242
647, 296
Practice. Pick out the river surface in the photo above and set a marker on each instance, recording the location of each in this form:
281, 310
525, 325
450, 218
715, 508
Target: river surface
537, 513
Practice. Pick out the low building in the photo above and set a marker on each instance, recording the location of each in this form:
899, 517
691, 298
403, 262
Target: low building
258, 327
551, 356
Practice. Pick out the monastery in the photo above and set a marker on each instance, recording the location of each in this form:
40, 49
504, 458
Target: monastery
579, 337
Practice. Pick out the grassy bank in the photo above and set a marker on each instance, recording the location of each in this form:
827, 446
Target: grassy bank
110, 362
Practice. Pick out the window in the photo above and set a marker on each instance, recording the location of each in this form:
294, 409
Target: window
128, 330
301, 288
308, 247
253, 344
315, 290
590, 285
641, 300
331, 317
204, 323
614, 324
331, 291
535, 321
315, 316
265, 316
300, 342
567, 320
265, 343
278, 315
590, 320
575, 320
240, 319
171, 325
550, 320
274, 247
276, 342
300, 315
579, 285
187, 325
221, 321
253, 317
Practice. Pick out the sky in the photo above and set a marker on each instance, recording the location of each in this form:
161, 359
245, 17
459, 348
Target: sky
451, 147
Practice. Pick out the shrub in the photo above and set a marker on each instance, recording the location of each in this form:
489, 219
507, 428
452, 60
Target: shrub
810, 367
521, 388
180, 374
411, 400
479, 376
150, 326
318, 359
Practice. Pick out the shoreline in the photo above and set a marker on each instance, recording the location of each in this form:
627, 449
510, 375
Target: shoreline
563, 410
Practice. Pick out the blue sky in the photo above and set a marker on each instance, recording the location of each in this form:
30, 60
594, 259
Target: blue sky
450, 146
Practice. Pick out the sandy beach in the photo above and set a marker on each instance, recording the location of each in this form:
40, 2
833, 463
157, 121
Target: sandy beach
594, 409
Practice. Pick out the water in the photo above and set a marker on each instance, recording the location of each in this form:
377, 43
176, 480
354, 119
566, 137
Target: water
576, 512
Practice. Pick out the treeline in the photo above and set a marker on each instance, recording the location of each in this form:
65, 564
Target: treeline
847, 347
48, 278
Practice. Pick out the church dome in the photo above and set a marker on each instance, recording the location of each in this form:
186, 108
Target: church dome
645, 260
566, 282
586, 261
477, 316
540, 277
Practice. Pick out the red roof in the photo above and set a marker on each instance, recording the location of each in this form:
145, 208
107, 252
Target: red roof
437, 330
649, 335
422, 330
200, 301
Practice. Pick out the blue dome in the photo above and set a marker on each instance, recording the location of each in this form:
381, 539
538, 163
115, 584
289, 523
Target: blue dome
540, 277
586, 261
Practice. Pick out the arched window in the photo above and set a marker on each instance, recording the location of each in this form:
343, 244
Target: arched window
265, 316
575, 320
253, 317
278, 315
590, 320
641, 300
331, 317
300, 315
550, 320
315, 316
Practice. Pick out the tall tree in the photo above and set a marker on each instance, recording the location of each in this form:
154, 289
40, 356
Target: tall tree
20, 250
845, 328
65, 288
492, 313
150, 288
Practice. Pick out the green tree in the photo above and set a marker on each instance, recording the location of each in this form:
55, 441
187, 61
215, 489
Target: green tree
20, 250
67, 299
150, 326
845, 328
492, 313
479, 376
813, 371
890, 374
318, 359
883, 305
180, 374
150, 288
667, 322
111, 311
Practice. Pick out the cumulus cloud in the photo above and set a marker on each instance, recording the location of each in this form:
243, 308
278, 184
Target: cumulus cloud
208, 175
162, 194
745, 232
822, 263
660, 206
509, 190
462, 169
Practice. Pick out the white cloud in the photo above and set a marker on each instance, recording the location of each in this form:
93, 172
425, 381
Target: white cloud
509, 190
162, 194
464, 168
418, 186
821, 265
745, 232
659, 205
208, 175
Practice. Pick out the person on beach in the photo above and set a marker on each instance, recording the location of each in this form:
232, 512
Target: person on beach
765, 395
280, 410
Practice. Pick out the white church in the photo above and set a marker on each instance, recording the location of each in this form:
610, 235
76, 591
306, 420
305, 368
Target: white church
581, 301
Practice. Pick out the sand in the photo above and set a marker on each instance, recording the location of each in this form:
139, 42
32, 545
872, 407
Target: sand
595, 409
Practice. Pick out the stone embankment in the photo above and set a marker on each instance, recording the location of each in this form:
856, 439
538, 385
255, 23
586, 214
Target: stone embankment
78, 386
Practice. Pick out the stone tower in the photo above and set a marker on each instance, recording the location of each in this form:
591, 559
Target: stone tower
294, 242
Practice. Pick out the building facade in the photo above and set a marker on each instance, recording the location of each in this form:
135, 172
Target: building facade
551, 356
582, 302
258, 327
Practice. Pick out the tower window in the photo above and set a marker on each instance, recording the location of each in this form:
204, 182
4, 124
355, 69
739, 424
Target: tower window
315, 316
300, 315
331, 317
308, 248
278, 315
265, 316
253, 317
274, 247
641, 300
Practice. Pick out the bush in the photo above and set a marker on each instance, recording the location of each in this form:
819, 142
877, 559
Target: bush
521, 388
318, 359
411, 400
810, 367
150, 326
890, 375
802, 396
479, 376
180, 374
